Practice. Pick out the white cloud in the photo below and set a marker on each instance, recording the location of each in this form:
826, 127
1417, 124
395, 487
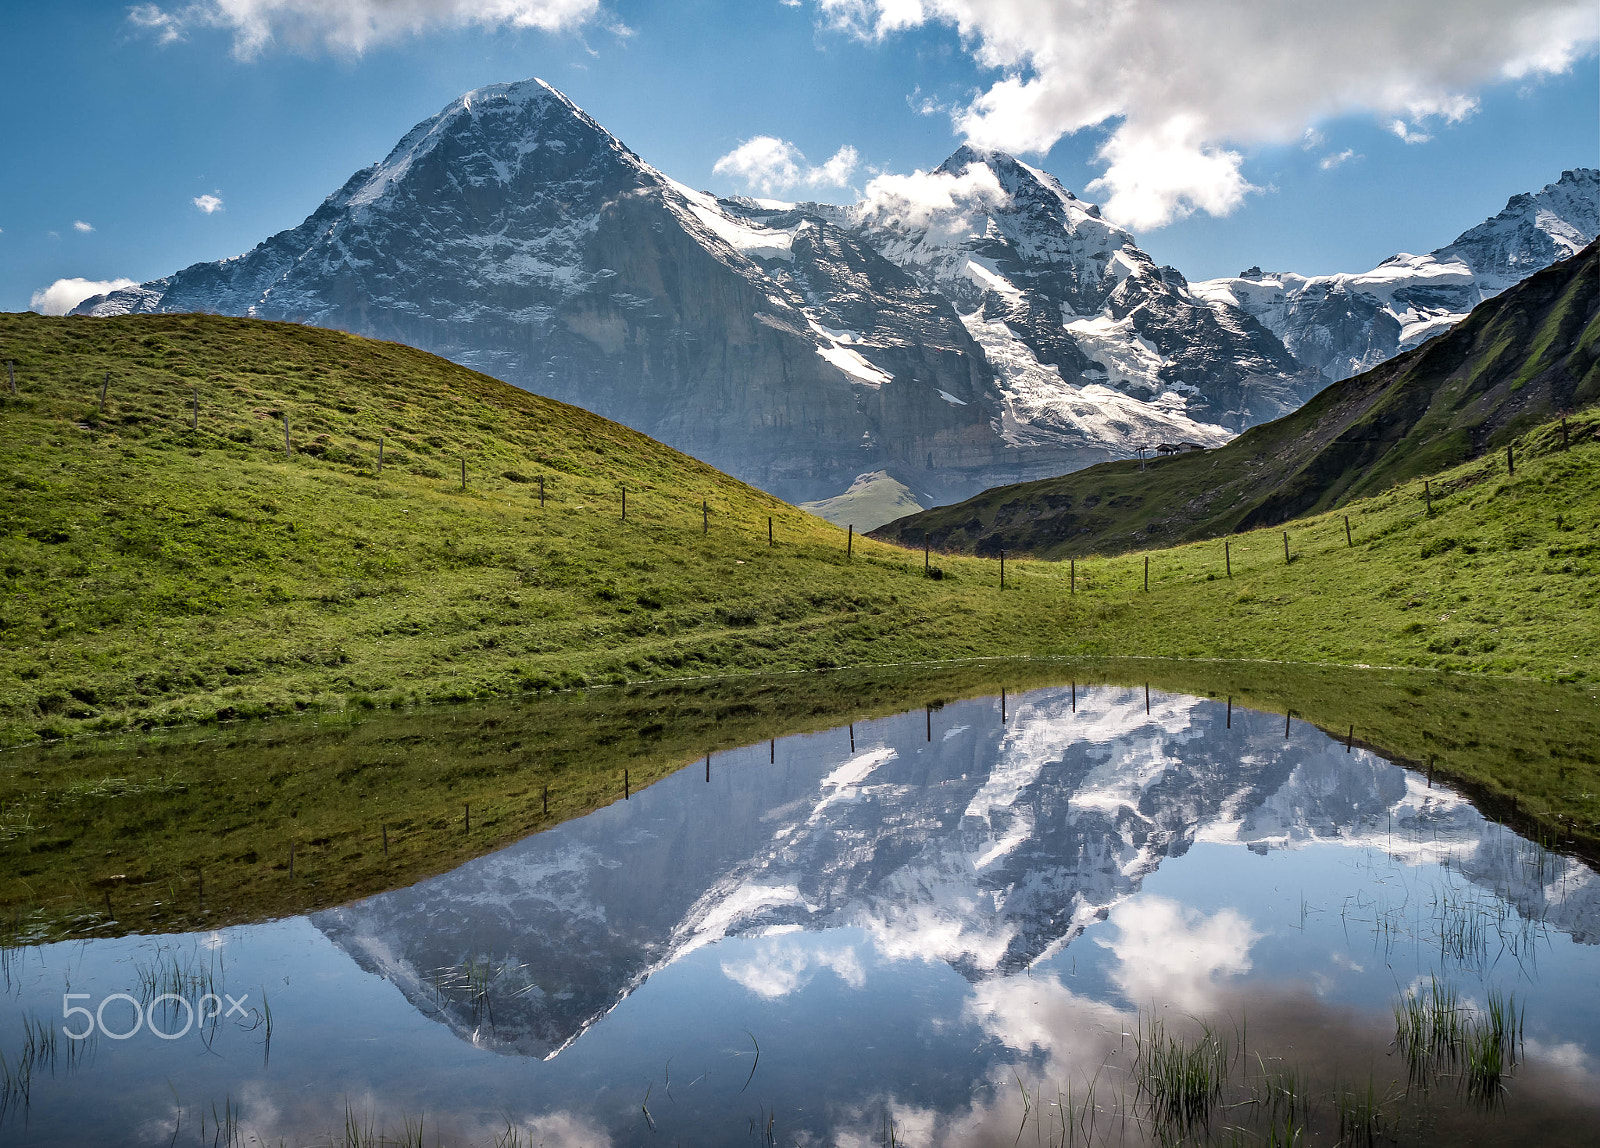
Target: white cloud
351, 26
772, 166
777, 968
1182, 85
1335, 159
208, 203
1176, 955
65, 294
1409, 134
923, 198
80, 225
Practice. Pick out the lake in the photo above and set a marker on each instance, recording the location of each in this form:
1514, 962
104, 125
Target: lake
1075, 914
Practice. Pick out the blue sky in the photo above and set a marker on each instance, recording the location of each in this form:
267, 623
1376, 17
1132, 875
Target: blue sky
110, 128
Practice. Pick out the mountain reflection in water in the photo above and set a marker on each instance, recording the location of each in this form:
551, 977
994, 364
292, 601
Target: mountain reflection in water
949, 837
931, 929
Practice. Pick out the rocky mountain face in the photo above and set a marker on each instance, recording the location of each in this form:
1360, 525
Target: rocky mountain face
794, 346
1523, 357
985, 326
983, 844
1342, 325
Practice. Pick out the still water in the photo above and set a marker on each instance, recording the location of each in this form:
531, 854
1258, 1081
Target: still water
957, 926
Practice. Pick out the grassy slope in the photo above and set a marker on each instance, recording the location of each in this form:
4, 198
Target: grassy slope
1517, 360
155, 575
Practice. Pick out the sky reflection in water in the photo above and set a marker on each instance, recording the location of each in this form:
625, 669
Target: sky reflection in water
918, 929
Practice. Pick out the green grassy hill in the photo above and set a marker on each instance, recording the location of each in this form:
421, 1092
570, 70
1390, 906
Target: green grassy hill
1519, 359
157, 573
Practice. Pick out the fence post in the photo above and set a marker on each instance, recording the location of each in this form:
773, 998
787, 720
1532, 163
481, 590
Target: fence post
1286, 546
1227, 555
463, 474
1074, 568
769, 530
286, 451
850, 541
11, 374
380, 454
541, 492
925, 566
1002, 569
624, 503
1147, 580
705, 517
194, 414
1347, 540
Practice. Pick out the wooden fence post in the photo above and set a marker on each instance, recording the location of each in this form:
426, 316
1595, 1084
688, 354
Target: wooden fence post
769, 530
1227, 556
1147, 578
624, 504
850, 541
1347, 540
1002, 569
1073, 567
705, 517
286, 451
1286, 546
541, 492
380, 454
925, 544
194, 413
463, 474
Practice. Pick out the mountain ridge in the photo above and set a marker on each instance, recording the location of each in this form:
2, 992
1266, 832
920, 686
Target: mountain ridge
1527, 354
979, 325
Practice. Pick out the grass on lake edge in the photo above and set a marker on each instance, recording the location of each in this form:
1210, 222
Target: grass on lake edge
159, 575
192, 828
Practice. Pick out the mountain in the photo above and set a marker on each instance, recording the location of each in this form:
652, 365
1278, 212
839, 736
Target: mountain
983, 845
1009, 334
1524, 356
1341, 325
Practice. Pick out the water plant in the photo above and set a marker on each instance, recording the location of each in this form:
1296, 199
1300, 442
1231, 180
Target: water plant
1181, 1077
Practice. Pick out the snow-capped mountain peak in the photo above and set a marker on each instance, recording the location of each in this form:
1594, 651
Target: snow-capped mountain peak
1348, 323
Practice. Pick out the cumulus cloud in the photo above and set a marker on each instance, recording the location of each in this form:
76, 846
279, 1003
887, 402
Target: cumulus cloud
80, 225
1177, 955
777, 968
1181, 85
208, 203
773, 166
65, 294
350, 25
1337, 158
925, 198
